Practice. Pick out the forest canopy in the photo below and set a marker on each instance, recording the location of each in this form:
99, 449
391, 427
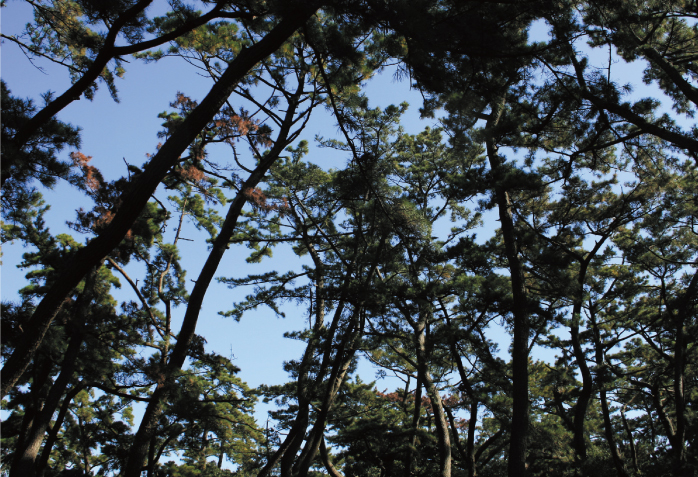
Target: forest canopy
523, 268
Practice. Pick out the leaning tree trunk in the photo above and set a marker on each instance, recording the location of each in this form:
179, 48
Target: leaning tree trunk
345, 355
25, 466
52, 435
148, 426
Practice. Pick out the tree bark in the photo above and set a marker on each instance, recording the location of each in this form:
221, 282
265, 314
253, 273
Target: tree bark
580, 410
25, 465
280, 452
433, 393
610, 436
416, 417
39, 390
631, 439
305, 387
471, 462
519, 353
342, 362
326, 460
681, 315
606, 414
53, 433
469, 452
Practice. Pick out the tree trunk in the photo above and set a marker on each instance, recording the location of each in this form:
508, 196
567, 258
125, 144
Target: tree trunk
416, 417
606, 414
682, 313
38, 393
301, 422
300, 426
469, 453
631, 439
470, 445
340, 365
25, 465
433, 393
148, 425
610, 436
53, 433
519, 353
580, 409
326, 460
343, 359
283, 448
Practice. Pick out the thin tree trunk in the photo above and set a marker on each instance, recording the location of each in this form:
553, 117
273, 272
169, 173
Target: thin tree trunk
416, 417
138, 195
631, 439
179, 353
682, 313
25, 465
283, 448
344, 357
469, 453
456, 435
170, 438
304, 385
434, 396
53, 433
326, 460
298, 429
606, 414
441, 425
679, 442
486, 445
582, 405
519, 353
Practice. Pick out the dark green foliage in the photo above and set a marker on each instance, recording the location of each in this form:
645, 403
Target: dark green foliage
36, 161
